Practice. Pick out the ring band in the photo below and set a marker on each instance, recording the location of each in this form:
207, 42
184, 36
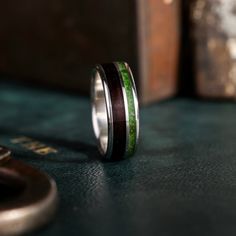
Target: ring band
115, 111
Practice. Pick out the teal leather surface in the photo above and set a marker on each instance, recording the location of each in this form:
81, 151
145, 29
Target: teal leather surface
182, 180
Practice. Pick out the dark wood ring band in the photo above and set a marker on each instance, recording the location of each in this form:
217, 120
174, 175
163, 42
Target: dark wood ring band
118, 109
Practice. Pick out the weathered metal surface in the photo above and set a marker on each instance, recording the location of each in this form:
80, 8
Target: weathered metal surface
57, 42
159, 31
214, 35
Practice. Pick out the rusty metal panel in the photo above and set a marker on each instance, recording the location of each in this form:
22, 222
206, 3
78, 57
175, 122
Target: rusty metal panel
159, 26
214, 35
57, 42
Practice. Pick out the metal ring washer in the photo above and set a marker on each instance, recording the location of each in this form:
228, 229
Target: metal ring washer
31, 198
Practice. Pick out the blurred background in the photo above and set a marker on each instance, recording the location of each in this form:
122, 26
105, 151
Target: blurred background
184, 48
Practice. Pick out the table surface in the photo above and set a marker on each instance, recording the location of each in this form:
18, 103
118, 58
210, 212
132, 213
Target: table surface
182, 180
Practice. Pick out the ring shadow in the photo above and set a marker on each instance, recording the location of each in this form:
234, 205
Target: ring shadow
89, 150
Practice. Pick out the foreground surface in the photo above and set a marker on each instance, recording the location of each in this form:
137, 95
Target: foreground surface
182, 180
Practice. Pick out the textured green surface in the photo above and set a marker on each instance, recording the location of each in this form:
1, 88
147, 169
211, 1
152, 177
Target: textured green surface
131, 108
182, 180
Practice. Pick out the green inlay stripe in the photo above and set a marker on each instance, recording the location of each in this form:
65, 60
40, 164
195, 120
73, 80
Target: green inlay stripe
127, 81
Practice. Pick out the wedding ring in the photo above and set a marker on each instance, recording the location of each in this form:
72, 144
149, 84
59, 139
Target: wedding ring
115, 111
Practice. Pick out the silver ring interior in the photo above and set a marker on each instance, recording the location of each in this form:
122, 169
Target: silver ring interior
99, 113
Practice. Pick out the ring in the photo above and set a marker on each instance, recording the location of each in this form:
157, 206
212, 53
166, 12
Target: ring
115, 110
4, 153
28, 197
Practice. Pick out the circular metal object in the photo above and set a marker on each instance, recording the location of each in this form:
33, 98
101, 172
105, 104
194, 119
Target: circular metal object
28, 198
115, 111
4, 153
